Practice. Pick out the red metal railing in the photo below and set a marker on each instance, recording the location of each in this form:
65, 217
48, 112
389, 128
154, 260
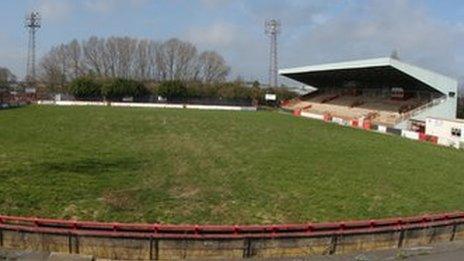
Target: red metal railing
100, 229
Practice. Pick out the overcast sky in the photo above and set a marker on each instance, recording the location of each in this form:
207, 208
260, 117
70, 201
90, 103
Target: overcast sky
429, 33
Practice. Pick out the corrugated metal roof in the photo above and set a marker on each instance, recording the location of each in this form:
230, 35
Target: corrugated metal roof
435, 80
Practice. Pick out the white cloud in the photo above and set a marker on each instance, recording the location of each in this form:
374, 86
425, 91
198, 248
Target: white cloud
375, 30
313, 33
214, 3
220, 35
100, 6
12, 55
241, 49
106, 6
292, 13
54, 10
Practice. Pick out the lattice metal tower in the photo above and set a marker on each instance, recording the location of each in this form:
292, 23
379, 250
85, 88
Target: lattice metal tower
273, 30
33, 24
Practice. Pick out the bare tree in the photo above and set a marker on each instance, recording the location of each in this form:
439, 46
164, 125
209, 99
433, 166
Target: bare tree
212, 67
52, 69
161, 62
176, 60
125, 48
74, 52
6, 78
186, 61
152, 69
131, 58
94, 56
142, 60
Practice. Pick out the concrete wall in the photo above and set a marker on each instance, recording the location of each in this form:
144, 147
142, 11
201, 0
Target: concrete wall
167, 249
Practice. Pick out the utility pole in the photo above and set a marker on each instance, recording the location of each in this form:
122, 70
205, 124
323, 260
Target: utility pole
33, 24
272, 29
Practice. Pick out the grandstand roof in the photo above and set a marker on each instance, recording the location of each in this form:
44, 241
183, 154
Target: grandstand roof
372, 73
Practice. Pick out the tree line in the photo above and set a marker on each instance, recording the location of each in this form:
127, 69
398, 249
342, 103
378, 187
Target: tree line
6, 78
130, 58
116, 89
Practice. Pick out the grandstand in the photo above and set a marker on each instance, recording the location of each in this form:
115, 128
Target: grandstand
384, 91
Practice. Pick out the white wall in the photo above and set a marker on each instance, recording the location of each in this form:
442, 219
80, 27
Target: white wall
442, 129
445, 110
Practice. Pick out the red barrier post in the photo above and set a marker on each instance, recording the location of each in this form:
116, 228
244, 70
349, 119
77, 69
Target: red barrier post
309, 228
400, 224
342, 227
236, 230
372, 224
327, 117
422, 136
367, 124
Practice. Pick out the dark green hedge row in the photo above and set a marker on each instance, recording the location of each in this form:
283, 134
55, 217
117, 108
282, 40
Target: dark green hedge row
88, 88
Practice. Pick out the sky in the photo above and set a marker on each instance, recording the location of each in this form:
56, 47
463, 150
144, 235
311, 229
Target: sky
429, 33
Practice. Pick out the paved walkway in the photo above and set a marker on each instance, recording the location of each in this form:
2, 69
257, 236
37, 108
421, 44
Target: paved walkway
450, 251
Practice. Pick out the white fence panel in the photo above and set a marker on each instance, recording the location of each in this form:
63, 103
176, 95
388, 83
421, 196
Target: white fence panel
312, 116
80, 103
410, 134
147, 105
214, 107
382, 129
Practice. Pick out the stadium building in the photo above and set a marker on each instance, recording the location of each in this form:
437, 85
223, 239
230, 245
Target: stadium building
384, 91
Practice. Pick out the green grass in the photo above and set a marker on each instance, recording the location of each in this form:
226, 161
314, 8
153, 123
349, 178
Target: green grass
187, 166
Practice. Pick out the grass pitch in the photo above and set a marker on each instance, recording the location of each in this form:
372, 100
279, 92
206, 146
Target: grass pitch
187, 166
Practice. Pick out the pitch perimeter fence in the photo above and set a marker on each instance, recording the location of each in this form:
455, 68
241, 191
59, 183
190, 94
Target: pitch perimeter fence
149, 105
156, 241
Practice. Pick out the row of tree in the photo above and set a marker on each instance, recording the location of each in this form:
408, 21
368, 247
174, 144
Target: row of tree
89, 88
130, 58
6, 78
115, 89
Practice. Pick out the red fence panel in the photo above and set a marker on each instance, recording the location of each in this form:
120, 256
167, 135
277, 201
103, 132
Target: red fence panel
114, 229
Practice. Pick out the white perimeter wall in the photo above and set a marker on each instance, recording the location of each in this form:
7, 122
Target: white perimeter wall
149, 105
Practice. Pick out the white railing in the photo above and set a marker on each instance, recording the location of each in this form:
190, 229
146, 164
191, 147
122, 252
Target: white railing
418, 110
